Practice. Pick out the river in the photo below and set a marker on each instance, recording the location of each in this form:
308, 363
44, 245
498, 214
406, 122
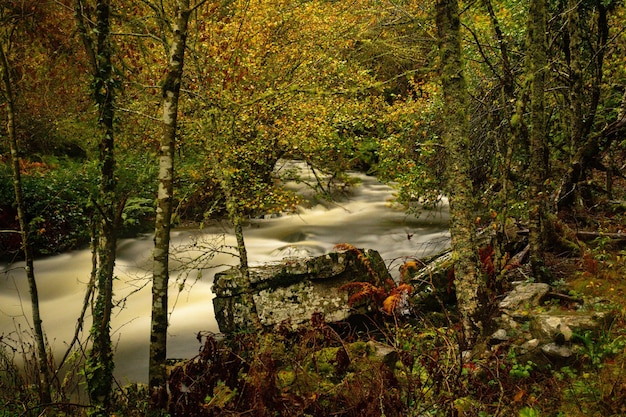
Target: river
365, 218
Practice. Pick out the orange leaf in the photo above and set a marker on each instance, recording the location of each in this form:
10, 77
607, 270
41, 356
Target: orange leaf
519, 396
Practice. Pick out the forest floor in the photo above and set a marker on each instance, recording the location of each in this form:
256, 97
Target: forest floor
415, 368
595, 383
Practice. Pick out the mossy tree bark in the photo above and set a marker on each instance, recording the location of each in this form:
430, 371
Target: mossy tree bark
160, 277
42, 356
467, 279
575, 55
537, 66
100, 364
584, 101
517, 132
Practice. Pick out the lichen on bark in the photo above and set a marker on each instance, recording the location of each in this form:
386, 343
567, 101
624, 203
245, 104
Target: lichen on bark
459, 188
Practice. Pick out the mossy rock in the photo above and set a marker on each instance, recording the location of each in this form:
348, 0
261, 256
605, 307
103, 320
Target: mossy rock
295, 289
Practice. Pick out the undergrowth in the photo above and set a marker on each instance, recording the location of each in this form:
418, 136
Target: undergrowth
397, 361
401, 369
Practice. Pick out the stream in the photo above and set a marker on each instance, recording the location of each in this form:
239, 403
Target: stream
365, 218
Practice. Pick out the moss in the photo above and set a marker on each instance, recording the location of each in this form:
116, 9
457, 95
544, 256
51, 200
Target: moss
322, 362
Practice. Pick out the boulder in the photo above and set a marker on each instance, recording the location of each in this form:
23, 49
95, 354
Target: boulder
556, 351
294, 289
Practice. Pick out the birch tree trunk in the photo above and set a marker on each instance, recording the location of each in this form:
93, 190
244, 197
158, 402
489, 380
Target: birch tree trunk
42, 356
459, 188
100, 364
160, 277
537, 65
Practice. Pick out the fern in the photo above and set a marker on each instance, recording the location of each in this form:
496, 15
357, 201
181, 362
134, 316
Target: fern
486, 255
408, 267
398, 300
363, 291
388, 297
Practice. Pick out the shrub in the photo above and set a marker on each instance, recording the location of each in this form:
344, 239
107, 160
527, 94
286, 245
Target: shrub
59, 203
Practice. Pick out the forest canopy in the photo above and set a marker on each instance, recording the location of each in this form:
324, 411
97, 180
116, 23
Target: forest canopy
339, 85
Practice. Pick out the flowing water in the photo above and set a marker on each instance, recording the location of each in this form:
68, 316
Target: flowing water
365, 218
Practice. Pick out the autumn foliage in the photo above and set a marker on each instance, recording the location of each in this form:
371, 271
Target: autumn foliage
387, 296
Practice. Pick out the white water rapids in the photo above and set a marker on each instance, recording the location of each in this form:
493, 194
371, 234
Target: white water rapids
365, 219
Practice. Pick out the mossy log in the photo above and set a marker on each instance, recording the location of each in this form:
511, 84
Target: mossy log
587, 236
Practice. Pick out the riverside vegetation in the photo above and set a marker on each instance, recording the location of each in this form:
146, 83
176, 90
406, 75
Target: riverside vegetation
514, 111
393, 364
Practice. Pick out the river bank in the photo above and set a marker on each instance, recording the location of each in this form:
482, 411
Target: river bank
365, 217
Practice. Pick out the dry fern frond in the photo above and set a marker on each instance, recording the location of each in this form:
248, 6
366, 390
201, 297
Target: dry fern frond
346, 247
390, 285
486, 255
409, 266
398, 300
391, 303
389, 297
402, 288
363, 291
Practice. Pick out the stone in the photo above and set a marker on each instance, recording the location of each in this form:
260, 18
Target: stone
386, 353
555, 351
499, 336
560, 326
294, 289
531, 344
524, 296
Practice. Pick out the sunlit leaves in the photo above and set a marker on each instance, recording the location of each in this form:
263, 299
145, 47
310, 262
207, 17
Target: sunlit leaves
272, 80
411, 154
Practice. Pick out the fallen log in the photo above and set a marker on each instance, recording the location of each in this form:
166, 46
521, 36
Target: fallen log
588, 235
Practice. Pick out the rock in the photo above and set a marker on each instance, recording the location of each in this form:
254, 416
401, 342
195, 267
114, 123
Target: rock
433, 282
524, 296
294, 289
530, 345
387, 354
555, 351
560, 326
544, 333
499, 336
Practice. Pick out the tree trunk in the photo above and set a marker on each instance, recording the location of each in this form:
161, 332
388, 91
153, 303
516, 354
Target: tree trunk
160, 278
576, 97
537, 66
509, 142
100, 365
42, 356
456, 140
237, 219
586, 147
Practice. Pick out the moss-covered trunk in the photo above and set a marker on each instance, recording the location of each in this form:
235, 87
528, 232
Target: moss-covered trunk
234, 213
99, 367
537, 198
576, 92
584, 102
507, 143
459, 186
